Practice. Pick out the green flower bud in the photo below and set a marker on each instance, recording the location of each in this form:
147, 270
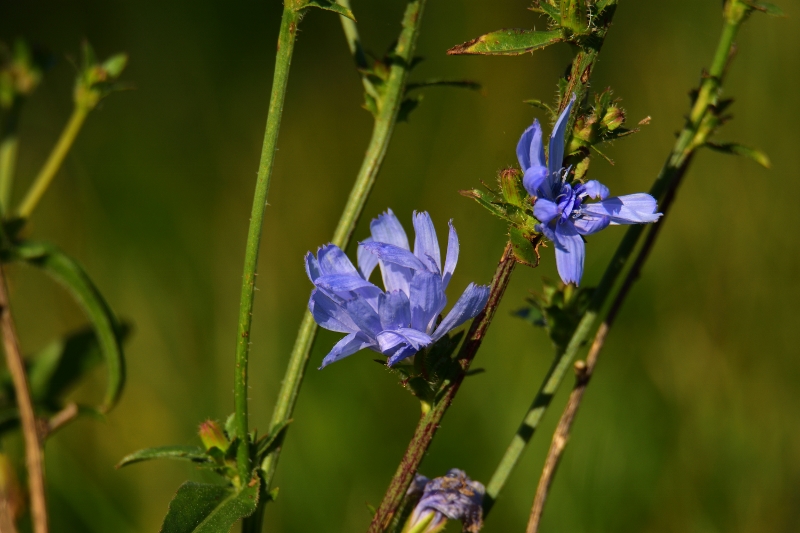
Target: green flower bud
212, 436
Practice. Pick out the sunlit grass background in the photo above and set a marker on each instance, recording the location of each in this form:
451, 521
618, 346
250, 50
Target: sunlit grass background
692, 423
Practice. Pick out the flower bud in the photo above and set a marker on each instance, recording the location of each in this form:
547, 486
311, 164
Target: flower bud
212, 436
97, 80
451, 497
614, 118
511, 185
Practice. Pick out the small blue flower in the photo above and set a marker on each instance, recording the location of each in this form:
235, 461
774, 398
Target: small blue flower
453, 496
561, 206
401, 320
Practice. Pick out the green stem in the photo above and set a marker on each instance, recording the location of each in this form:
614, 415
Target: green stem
578, 84
381, 135
283, 59
690, 138
8, 153
53, 163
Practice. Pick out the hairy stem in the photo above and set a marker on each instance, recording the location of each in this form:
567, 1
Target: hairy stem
286, 40
381, 135
33, 444
691, 137
53, 163
429, 423
578, 84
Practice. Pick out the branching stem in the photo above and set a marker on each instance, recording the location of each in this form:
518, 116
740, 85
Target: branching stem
33, 443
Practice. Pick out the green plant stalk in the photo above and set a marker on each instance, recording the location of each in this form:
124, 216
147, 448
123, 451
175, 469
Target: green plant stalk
690, 138
9, 142
8, 164
283, 59
381, 135
356, 49
580, 73
53, 163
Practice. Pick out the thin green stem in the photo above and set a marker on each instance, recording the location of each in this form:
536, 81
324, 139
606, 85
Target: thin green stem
357, 49
8, 153
578, 84
381, 135
691, 137
53, 163
283, 59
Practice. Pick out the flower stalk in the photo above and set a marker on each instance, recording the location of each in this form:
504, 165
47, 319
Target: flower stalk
578, 84
376, 151
53, 163
692, 137
283, 59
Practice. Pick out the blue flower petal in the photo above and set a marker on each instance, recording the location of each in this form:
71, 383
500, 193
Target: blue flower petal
589, 223
427, 300
425, 242
452, 256
530, 151
386, 228
629, 209
390, 339
367, 261
394, 310
545, 210
363, 316
570, 251
471, 302
312, 267
389, 253
329, 315
593, 189
338, 283
556, 156
534, 180
332, 260
347, 346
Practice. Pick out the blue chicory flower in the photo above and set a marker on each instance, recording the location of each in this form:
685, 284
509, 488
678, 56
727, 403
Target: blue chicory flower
561, 207
453, 496
401, 320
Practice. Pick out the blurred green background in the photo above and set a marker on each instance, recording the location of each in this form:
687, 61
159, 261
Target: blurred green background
692, 423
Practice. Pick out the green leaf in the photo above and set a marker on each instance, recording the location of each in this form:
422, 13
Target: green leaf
765, 7
195, 454
406, 107
267, 443
548, 9
60, 365
738, 149
541, 105
328, 5
523, 248
486, 200
464, 84
71, 275
206, 508
510, 42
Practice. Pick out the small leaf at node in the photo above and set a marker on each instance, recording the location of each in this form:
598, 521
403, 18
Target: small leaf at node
195, 454
510, 42
739, 149
206, 508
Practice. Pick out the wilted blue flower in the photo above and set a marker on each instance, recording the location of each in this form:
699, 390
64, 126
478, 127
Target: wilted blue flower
560, 206
453, 496
402, 320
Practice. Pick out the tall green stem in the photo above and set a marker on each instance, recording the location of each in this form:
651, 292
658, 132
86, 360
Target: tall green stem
381, 135
691, 137
8, 153
283, 59
53, 163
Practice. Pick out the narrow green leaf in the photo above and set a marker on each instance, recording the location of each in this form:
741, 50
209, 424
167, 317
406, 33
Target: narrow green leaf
328, 5
407, 106
548, 9
510, 42
765, 7
483, 199
541, 105
195, 454
205, 508
522, 247
266, 443
71, 275
738, 149
464, 84
60, 365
